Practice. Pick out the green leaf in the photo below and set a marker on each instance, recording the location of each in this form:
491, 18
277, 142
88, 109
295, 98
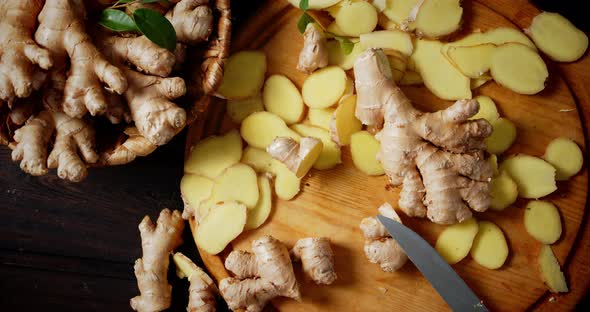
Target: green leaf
303, 21
156, 28
304, 5
149, 1
116, 20
345, 44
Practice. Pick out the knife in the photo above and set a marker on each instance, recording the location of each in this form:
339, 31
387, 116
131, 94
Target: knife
437, 271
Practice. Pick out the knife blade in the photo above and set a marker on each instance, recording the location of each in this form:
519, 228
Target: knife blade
437, 271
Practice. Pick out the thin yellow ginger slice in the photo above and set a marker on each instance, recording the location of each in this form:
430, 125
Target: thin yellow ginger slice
321, 117
489, 248
259, 129
487, 109
282, 98
478, 82
356, 18
400, 11
363, 149
551, 271
497, 36
324, 87
437, 18
439, 75
388, 39
211, 156
344, 123
330, 155
472, 61
454, 242
502, 137
194, 189
398, 64
557, 37
504, 191
334, 29
243, 75
493, 161
258, 215
566, 156
237, 183
220, 226
286, 184
316, 4
202, 288
411, 78
238, 110
386, 23
534, 177
518, 68
337, 57
542, 221
298, 157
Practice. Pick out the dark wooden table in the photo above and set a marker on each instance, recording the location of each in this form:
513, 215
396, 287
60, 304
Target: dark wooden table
71, 247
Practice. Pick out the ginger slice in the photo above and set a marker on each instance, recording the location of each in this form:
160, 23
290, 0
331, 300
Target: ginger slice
363, 149
202, 289
566, 156
489, 248
194, 189
281, 97
261, 128
551, 271
344, 123
437, 18
502, 136
320, 117
331, 153
224, 222
151, 270
298, 157
472, 61
238, 110
534, 177
504, 191
557, 37
542, 221
243, 75
258, 215
487, 109
414, 144
211, 156
455, 241
324, 87
380, 247
518, 68
317, 259
402, 12
314, 53
286, 185
388, 39
356, 18
260, 276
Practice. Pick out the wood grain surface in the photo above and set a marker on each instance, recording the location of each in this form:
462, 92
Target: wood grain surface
333, 202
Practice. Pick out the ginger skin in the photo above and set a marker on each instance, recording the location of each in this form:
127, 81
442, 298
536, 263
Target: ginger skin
380, 247
192, 20
298, 157
61, 31
314, 54
202, 288
438, 157
157, 243
260, 276
317, 259
20, 56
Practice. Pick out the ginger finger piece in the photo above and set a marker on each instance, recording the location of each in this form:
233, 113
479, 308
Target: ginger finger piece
202, 288
74, 147
192, 20
380, 247
314, 54
157, 243
317, 259
61, 31
298, 157
438, 157
32, 142
20, 56
260, 276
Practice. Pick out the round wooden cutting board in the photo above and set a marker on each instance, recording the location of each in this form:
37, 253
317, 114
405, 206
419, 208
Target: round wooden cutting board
333, 202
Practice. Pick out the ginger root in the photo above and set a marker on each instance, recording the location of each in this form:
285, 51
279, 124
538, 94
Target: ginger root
19, 54
314, 54
260, 276
202, 288
317, 259
157, 243
438, 157
380, 247
192, 20
298, 157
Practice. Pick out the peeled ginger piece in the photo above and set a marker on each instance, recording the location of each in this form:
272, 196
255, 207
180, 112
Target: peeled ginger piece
489, 248
243, 75
194, 189
211, 156
336, 55
330, 155
454, 242
221, 225
551, 271
258, 215
478, 82
344, 123
542, 221
321, 117
502, 136
286, 184
566, 156
237, 183
364, 148
557, 37
534, 177
238, 110
472, 61
324, 87
259, 129
399, 11
282, 98
518, 68
355, 18
297, 156
487, 109
437, 18
397, 40
496, 36
504, 191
